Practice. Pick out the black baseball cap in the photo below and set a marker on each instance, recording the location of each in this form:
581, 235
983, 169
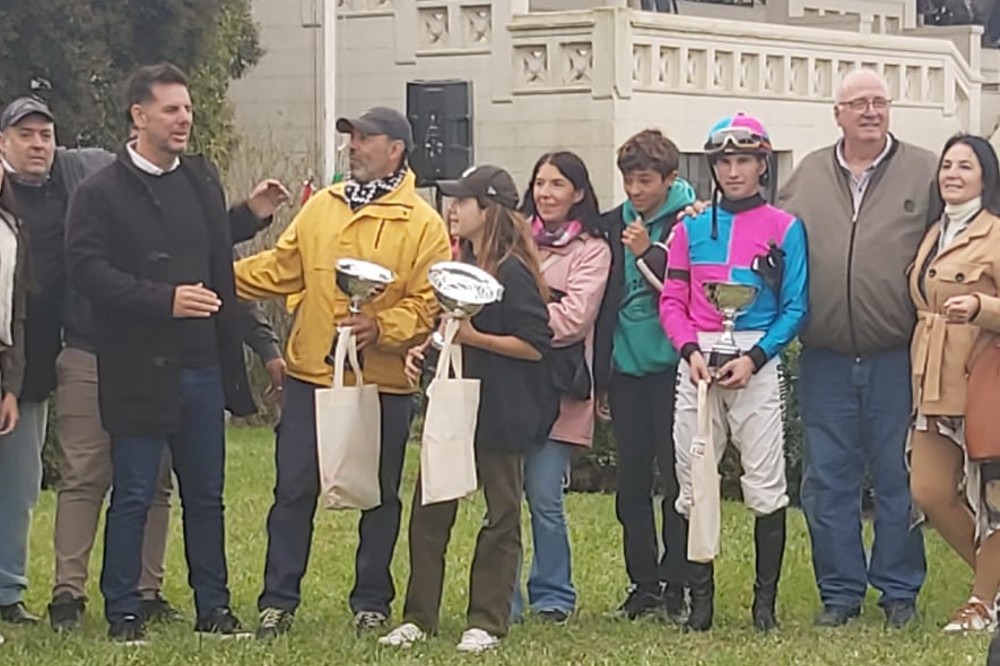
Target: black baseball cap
487, 181
379, 120
23, 107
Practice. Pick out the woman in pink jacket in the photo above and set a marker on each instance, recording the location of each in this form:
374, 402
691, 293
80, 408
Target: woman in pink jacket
575, 260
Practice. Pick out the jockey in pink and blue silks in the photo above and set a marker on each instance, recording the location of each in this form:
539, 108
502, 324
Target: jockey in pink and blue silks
739, 239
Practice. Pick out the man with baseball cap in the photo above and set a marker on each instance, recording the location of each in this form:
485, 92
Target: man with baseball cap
42, 179
379, 121
376, 216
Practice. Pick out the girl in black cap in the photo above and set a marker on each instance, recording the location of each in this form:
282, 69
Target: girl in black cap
503, 346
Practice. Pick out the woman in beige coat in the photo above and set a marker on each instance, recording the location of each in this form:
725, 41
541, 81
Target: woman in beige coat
954, 285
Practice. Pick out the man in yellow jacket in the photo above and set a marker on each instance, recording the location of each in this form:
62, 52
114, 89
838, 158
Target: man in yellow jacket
375, 216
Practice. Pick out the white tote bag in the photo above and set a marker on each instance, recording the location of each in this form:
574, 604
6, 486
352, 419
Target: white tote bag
447, 449
706, 510
348, 435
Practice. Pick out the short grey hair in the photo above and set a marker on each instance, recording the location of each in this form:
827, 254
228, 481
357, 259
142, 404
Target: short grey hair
856, 76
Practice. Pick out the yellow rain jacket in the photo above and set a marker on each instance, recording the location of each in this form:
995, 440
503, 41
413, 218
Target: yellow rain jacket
399, 231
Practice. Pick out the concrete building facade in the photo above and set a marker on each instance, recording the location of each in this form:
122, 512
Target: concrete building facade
584, 75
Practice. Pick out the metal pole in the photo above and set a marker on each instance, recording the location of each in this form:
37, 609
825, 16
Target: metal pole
329, 92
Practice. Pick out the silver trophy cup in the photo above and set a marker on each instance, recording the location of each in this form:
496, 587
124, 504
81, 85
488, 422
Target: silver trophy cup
462, 290
731, 300
362, 281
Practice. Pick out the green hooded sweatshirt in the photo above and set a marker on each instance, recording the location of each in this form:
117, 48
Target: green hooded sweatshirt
640, 346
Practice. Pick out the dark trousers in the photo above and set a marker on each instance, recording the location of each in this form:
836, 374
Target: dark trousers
199, 460
498, 549
642, 410
855, 417
296, 491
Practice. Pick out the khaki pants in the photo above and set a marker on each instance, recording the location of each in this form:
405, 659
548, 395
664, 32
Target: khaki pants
85, 476
497, 555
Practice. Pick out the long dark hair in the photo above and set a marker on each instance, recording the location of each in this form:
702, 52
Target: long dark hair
988, 163
506, 234
569, 164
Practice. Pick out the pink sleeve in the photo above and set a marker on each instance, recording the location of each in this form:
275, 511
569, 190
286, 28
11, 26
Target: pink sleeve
572, 317
675, 313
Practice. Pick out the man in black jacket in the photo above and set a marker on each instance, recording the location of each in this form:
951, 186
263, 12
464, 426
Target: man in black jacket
149, 244
85, 448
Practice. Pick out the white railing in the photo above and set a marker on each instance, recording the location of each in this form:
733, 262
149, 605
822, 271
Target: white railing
648, 52
612, 52
873, 16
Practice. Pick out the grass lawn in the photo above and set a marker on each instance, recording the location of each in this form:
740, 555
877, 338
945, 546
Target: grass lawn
323, 633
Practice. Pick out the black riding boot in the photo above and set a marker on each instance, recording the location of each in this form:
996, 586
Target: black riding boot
702, 581
769, 539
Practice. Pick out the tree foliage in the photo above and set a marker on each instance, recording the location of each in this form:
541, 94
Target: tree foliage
77, 56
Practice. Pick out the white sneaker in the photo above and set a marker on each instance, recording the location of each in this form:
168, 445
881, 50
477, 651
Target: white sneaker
974, 616
405, 635
475, 641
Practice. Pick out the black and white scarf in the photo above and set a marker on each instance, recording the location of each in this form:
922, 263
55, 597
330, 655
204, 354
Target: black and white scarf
362, 194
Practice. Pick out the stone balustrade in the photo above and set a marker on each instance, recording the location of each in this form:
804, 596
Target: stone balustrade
873, 16
613, 52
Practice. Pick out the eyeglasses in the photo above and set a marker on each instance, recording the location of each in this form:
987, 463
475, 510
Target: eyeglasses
736, 138
862, 104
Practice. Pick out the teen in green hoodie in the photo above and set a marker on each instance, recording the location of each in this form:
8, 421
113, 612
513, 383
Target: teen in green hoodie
635, 371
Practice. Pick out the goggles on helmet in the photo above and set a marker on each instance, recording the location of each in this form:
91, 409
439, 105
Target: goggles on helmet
736, 139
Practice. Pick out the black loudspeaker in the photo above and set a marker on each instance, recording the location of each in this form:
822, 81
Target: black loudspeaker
440, 113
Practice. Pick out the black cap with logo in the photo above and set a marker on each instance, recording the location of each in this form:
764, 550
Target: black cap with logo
379, 120
486, 182
23, 107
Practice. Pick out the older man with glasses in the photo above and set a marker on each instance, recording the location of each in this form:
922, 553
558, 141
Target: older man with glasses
866, 202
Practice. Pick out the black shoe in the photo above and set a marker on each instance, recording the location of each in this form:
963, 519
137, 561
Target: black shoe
553, 616
993, 658
221, 623
769, 542
17, 614
128, 631
702, 582
642, 601
365, 621
836, 616
899, 614
273, 623
66, 613
675, 602
159, 609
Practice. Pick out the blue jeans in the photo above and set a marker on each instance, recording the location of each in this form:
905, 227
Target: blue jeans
550, 583
20, 481
855, 416
199, 460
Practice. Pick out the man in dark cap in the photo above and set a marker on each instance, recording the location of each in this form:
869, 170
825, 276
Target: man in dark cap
41, 178
376, 216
